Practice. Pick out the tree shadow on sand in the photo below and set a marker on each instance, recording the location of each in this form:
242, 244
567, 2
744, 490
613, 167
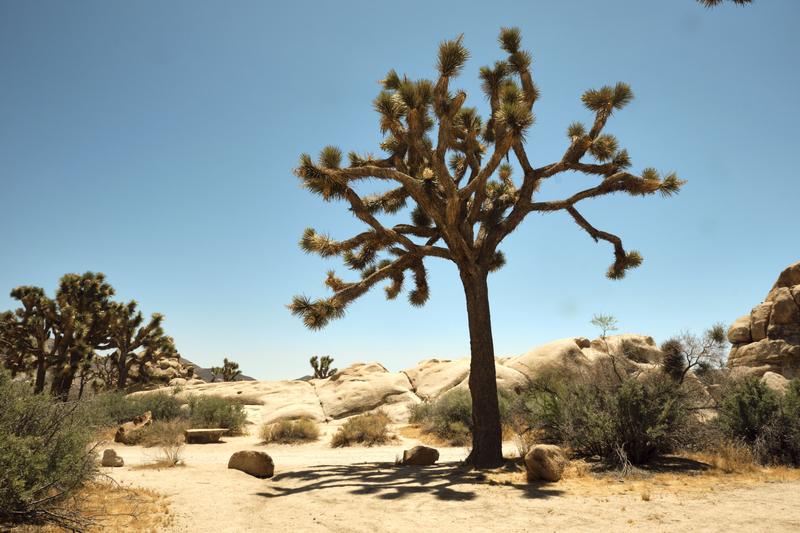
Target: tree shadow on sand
445, 481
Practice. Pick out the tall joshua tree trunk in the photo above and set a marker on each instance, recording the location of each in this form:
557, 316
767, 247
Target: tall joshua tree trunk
486, 442
41, 373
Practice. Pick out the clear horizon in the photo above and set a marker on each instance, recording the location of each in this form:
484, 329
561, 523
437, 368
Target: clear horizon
155, 143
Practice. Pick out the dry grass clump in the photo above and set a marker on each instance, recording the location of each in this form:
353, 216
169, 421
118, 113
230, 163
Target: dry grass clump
169, 456
164, 433
731, 457
111, 507
368, 429
290, 431
168, 436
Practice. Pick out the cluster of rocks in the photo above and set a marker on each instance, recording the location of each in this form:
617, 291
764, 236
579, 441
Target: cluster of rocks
768, 339
543, 463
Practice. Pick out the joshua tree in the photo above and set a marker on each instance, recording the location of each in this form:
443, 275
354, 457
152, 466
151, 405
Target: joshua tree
63, 335
687, 351
444, 161
59, 334
229, 371
322, 366
135, 343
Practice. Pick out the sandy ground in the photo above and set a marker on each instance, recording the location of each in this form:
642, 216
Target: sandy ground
317, 488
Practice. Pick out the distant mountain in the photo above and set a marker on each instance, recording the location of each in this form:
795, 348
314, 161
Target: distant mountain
205, 373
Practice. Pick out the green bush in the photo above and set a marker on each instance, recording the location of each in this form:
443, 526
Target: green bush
114, 408
368, 429
216, 412
290, 431
45, 454
629, 420
762, 419
746, 408
450, 416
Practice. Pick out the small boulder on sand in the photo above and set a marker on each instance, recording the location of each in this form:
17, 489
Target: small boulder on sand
127, 432
545, 462
255, 463
420, 455
110, 458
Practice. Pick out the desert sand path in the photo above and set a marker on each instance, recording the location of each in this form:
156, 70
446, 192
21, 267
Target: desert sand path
316, 488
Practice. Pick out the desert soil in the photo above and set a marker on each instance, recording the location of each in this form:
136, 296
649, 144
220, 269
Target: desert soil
317, 488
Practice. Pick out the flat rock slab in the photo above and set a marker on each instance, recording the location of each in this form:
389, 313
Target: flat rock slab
203, 436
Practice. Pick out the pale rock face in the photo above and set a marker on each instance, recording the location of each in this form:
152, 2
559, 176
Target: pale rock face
775, 381
759, 320
784, 308
768, 355
364, 387
774, 344
740, 330
434, 377
789, 277
637, 348
368, 387
545, 462
563, 353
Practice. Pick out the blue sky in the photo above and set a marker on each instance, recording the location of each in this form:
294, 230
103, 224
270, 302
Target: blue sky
154, 141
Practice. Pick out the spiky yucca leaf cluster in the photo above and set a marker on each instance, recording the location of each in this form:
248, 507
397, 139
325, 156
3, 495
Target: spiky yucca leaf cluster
631, 259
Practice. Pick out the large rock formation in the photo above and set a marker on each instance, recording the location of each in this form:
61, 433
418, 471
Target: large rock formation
768, 339
365, 387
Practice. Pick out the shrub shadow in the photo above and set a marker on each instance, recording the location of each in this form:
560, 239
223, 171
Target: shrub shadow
675, 465
445, 481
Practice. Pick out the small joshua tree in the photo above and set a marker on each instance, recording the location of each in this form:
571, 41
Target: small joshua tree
455, 171
689, 352
322, 366
229, 371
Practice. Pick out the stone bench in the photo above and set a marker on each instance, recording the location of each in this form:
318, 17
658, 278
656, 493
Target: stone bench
203, 436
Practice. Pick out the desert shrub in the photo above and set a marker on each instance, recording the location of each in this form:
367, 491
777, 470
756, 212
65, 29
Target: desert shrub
746, 408
171, 455
163, 433
449, 417
45, 454
766, 421
290, 431
367, 429
216, 412
630, 420
116, 407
